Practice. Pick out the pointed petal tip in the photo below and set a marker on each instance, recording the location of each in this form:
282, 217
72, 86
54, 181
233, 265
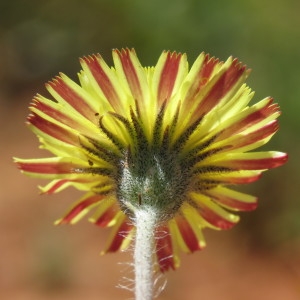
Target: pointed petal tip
15, 159
58, 222
42, 190
63, 222
202, 245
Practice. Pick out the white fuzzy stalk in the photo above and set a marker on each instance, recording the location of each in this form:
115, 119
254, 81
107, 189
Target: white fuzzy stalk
145, 221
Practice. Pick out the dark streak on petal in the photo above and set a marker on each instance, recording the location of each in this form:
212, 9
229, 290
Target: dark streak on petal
158, 126
183, 138
114, 138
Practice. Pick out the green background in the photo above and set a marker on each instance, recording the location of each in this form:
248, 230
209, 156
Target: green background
38, 39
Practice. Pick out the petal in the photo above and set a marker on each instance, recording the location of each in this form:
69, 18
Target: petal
56, 137
221, 116
164, 249
55, 186
248, 141
246, 122
104, 82
252, 160
169, 72
106, 213
250, 119
81, 208
223, 85
51, 131
234, 105
213, 213
88, 183
121, 236
234, 177
59, 148
177, 240
233, 96
66, 91
52, 165
132, 75
232, 199
60, 133
55, 168
55, 111
133, 78
196, 222
198, 77
190, 233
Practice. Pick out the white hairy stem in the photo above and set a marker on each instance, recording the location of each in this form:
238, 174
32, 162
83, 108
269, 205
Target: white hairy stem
145, 222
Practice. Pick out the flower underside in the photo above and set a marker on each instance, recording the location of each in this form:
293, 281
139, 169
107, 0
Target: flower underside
164, 137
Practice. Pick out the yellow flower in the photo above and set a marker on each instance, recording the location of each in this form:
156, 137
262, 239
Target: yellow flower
164, 137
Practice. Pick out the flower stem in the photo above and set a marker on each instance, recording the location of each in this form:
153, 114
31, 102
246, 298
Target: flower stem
145, 221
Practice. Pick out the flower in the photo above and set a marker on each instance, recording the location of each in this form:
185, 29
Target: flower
164, 137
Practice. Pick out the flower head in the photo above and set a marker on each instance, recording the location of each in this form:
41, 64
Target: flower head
164, 137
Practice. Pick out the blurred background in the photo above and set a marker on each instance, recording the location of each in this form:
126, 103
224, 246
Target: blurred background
259, 258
